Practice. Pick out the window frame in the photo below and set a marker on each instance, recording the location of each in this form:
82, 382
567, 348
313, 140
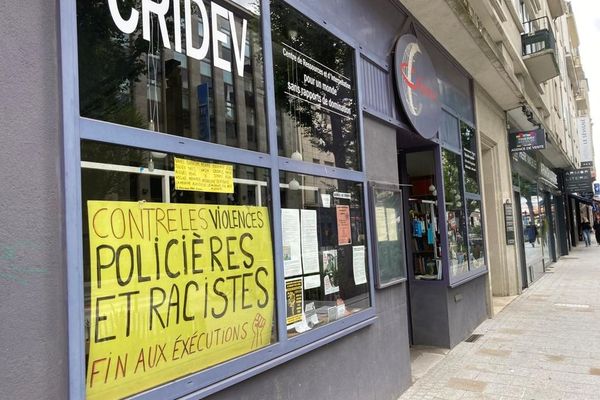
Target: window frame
76, 129
457, 280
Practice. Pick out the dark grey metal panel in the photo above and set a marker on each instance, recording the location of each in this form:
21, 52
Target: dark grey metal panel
373, 363
376, 89
33, 333
373, 24
429, 312
381, 155
466, 309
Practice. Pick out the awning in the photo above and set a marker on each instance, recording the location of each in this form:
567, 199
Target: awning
582, 199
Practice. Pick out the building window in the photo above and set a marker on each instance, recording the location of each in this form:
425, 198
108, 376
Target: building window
141, 82
175, 249
463, 204
324, 250
315, 90
178, 271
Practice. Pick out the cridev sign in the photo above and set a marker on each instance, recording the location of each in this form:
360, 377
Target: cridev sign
417, 85
160, 9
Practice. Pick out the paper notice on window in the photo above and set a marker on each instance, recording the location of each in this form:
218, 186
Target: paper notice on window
331, 273
203, 177
294, 301
310, 243
392, 228
325, 200
312, 281
290, 232
381, 224
343, 225
358, 265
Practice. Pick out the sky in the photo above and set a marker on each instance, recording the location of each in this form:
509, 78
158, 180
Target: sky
587, 18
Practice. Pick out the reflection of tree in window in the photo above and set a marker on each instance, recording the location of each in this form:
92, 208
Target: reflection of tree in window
230, 114
131, 81
105, 87
304, 123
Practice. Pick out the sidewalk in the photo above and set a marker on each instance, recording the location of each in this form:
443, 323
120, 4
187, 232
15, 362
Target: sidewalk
545, 345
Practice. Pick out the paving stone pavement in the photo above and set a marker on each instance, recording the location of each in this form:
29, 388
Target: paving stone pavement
545, 345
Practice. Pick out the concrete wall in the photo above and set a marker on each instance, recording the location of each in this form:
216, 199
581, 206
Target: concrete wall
377, 355
496, 189
33, 337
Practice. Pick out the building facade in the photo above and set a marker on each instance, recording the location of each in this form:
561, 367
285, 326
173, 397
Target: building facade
271, 199
529, 82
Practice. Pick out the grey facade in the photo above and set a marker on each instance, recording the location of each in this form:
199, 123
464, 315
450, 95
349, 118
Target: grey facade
32, 262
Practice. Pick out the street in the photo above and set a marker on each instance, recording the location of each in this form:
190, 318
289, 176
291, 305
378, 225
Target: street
544, 345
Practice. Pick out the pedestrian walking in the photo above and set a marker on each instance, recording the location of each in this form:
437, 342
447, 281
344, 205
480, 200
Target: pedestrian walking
532, 233
587, 230
597, 228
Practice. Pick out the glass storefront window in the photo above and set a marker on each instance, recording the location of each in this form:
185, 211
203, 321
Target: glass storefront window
324, 250
315, 91
471, 167
532, 219
178, 268
455, 213
200, 76
476, 251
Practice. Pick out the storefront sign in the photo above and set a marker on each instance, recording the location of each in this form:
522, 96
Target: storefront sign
175, 288
578, 181
587, 164
470, 160
317, 84
151, 10
203, 177
527, 140
509, 223
417, 86
584, 128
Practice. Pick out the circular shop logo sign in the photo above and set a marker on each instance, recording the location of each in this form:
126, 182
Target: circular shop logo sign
417, 86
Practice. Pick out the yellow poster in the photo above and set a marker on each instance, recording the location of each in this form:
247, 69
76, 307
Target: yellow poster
203, 177
174, 289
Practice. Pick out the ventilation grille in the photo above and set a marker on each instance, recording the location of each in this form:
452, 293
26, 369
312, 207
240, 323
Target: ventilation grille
473, 338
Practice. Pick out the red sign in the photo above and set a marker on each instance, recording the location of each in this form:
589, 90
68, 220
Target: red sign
417, 86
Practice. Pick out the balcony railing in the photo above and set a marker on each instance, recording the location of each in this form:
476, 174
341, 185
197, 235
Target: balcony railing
538, 36
539, 49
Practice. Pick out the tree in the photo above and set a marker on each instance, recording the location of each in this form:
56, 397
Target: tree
327, 131
110, 62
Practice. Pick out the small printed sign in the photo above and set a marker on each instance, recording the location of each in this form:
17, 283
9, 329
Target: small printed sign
509, 223
203, 177
578, 181
527, 140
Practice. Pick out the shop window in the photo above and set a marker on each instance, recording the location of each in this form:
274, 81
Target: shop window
476, 248
140, 79
390, 255
424, 228
178, 269
315, 90
178, 262
324, 250
471, 165
455, 213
